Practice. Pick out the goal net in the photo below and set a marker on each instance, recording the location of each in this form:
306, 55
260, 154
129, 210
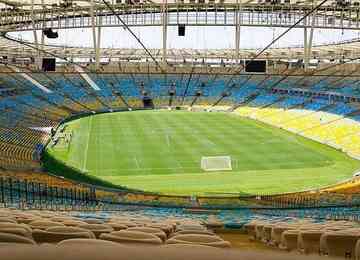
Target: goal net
216, 163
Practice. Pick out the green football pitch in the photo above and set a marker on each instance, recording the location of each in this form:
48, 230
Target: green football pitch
161, 151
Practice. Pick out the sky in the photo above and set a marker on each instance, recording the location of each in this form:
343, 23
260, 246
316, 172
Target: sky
215, 37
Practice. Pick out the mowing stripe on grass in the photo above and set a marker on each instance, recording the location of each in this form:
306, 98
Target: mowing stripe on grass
161, 151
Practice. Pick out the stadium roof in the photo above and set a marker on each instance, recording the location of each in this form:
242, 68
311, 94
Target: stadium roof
347, 49
39, 3
330, 51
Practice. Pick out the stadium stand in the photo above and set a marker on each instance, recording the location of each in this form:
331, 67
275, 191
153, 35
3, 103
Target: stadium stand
49, 210
316, 119
25, 134
330, 238
29, 190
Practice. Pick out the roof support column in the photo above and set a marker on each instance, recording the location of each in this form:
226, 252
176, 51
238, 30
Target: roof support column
98, 45
308, 42
309, 46
42, 32
164, 31
95, 40
33, 24
306, 62
237, 32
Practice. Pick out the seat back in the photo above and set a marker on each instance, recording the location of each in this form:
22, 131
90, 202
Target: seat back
12, 238
289, 240
341, 245
309, 241
125, 236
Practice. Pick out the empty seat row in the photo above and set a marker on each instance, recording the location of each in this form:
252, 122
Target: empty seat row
38, 227
331, 238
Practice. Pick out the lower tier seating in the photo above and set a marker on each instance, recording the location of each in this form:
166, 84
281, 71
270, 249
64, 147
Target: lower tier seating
39, 227
324, 126
339, 239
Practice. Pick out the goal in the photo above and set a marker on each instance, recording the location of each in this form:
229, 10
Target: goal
216, 163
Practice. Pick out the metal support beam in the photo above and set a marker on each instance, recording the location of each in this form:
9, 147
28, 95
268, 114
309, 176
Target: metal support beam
188, 14
33, 21
42, 32
36, 42
308, 39
237, 43
42, 40
98, 46
237, 32
164, 32
306, 61
95, 41
309, 46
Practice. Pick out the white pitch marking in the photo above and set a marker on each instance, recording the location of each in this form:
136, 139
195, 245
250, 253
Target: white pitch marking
87, 145
136, 162
148, 169
168, 140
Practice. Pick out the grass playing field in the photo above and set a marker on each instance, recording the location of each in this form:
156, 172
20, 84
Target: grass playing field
161, 151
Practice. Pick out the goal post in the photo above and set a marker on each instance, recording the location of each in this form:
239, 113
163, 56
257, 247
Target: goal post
216, 163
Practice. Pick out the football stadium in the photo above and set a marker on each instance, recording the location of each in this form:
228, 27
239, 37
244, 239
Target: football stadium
174, 129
